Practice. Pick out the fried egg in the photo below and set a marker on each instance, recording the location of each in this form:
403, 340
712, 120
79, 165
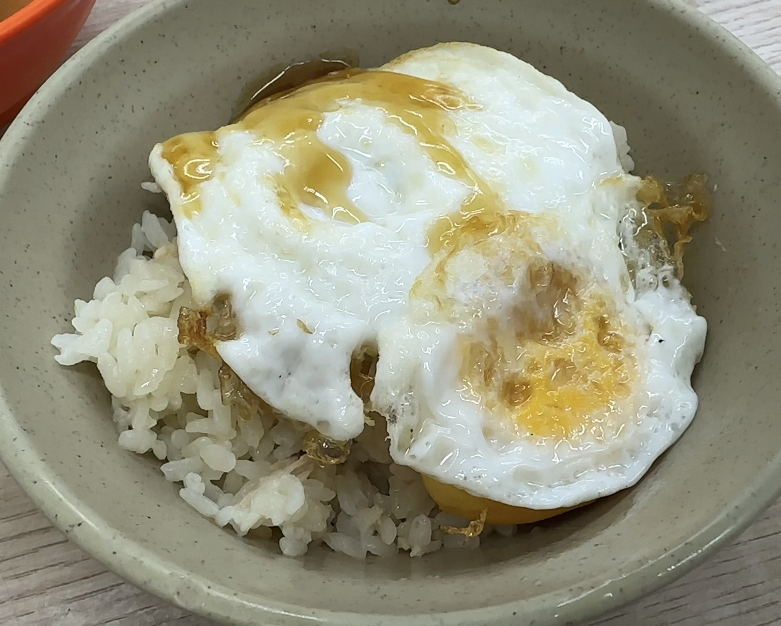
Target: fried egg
464, 217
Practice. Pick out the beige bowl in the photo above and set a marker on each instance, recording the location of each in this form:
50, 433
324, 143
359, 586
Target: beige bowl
691, 97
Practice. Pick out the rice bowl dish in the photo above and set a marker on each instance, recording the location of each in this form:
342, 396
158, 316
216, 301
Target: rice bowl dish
421, 344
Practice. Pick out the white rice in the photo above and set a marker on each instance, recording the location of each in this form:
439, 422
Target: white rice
250, 475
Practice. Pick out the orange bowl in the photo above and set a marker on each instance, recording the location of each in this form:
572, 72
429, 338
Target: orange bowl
33, 41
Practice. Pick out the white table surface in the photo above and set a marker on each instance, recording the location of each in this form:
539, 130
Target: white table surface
45, 580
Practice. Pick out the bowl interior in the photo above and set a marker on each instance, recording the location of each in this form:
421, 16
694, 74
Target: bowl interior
71, 167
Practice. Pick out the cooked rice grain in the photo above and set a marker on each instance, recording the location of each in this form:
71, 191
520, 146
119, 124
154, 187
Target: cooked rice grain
246, 474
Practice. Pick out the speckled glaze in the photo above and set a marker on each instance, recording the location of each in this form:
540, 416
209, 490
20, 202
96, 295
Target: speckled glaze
691, 97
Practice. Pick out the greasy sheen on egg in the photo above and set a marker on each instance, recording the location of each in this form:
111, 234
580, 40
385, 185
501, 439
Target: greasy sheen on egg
459, 214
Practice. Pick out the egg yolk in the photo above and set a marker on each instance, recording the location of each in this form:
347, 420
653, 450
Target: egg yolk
569, 382
459, 502
561, 365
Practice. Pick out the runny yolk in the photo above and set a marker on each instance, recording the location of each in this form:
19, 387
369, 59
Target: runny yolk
459, 502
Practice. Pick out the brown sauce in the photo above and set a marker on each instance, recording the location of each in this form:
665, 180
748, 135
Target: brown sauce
282, 79
672, 209
363, 366
191, 156
316, 175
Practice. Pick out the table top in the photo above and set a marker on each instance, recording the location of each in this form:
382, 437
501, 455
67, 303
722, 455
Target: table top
45, 580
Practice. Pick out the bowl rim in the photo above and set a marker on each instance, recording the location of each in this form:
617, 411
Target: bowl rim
25, 17
154, 573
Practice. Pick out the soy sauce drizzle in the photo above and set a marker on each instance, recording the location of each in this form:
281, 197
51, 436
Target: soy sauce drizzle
282, 79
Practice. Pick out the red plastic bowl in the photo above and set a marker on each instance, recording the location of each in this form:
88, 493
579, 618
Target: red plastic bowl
33, 41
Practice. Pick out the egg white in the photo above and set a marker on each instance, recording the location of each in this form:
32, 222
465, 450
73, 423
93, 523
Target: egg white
307, 300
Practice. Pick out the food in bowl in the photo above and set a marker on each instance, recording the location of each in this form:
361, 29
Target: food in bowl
402, 308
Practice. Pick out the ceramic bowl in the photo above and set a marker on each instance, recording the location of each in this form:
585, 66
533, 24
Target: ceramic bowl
691, 97
33, 40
